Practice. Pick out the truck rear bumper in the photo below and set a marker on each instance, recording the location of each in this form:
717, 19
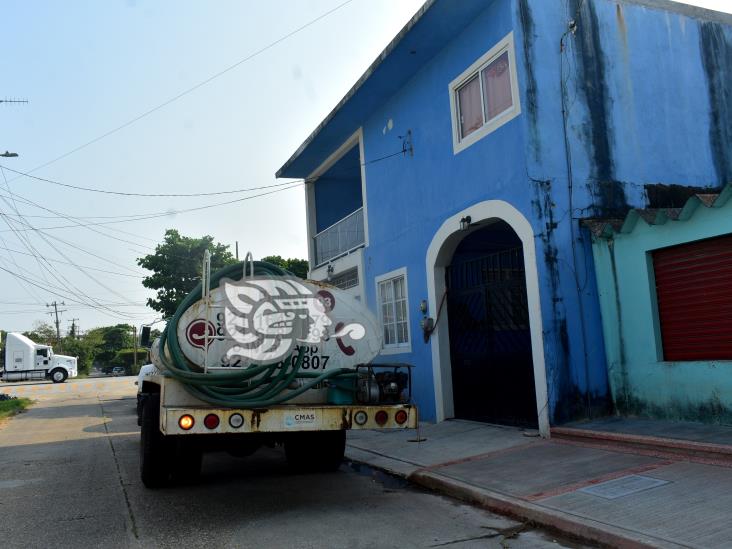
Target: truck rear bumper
285, 419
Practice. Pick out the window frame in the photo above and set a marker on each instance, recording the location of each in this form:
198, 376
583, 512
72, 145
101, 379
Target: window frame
506, 44
393, 348
349, 272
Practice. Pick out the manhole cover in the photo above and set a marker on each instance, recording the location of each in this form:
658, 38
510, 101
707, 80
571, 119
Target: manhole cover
623, 486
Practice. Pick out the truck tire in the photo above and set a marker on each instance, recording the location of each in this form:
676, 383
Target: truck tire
140, 401
186, 461
58, 375
315, 452
154, 448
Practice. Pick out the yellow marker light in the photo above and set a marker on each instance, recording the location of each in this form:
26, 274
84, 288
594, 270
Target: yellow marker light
186, 422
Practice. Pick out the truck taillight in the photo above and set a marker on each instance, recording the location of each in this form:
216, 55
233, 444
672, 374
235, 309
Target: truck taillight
381, 417
401, 417
211, 421
186, 422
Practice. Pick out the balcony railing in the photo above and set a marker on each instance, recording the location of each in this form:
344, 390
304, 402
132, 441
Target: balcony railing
340, 238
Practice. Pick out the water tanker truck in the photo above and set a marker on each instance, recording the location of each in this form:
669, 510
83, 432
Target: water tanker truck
256, 357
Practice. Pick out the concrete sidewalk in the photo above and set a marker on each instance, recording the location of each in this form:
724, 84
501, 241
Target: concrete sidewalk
612, 496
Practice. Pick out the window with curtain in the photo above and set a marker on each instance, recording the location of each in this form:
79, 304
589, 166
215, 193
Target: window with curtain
497, 87
485, 96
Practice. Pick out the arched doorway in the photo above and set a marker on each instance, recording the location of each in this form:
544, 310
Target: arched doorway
490, 338
439, 257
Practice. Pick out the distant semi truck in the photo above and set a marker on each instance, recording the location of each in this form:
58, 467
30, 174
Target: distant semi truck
26, 360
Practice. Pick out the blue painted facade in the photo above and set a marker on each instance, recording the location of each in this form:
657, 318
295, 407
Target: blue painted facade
338, 192
643, 85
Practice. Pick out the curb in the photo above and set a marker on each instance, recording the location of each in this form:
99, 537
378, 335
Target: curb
700, 452
573, 526
579, 528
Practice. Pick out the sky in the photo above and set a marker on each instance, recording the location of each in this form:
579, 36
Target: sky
94, 74
88, 67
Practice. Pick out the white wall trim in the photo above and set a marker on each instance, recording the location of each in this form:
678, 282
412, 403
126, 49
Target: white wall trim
355, 139
402, 347
344, 263
439, 256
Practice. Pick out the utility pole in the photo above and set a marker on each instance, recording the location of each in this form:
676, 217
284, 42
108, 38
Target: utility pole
134, 331
237, 250
8, 154
74, 328
58, 324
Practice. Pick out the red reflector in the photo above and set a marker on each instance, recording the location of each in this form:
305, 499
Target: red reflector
211, 421
401, 417
381, 417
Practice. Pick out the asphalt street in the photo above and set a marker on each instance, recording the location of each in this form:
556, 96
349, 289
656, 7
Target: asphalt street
69, 478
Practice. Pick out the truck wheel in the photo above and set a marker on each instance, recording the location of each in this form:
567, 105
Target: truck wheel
59, 375
315, 451
154, 449
187, 462
331, 450
140, 402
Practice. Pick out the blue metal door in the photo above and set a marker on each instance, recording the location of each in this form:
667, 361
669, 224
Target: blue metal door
490, 340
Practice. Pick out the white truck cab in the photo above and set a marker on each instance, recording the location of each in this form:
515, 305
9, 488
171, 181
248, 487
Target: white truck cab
26, 360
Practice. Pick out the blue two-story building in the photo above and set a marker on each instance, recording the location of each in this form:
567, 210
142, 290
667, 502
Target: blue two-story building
451, 187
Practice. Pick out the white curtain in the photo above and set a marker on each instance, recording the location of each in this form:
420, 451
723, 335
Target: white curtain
497, 86
471, 109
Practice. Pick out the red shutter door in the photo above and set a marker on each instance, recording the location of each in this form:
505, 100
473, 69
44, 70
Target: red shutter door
694, 290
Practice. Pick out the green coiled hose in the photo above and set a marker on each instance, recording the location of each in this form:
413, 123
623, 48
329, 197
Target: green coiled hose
257, 386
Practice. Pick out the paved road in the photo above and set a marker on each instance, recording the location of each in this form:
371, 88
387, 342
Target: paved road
116, 387
69, 478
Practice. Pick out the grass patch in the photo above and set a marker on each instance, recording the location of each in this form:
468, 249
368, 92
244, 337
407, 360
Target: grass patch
11, 407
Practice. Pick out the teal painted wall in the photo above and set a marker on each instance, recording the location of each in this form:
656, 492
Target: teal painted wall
641, 382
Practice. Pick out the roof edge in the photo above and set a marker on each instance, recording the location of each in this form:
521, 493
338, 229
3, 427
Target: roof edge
696, 12
608, 228
365, 76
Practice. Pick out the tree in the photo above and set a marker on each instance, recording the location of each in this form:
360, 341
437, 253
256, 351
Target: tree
298, 267
3, 338
85, 348
42, 333
176, 268
111, 339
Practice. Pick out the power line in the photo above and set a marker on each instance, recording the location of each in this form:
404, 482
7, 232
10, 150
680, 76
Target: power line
193, 88
25, 222
147, 195
69, 286
406, 147
101, 308
15, 208
61, 215
153, 215
179, 195
170, 212
68, 263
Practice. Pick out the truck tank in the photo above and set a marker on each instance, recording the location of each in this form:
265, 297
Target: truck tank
253, 335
